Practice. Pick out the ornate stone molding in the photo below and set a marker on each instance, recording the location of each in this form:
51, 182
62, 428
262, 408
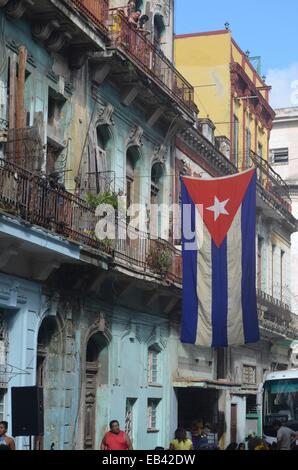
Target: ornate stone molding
102, 325
160, 154
243, 86
42, 31
105, 116
206, 153
132, 331
156, 337
135, 137
16, 8
58, 40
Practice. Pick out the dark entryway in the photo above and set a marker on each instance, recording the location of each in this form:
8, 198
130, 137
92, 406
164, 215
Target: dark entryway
197, 405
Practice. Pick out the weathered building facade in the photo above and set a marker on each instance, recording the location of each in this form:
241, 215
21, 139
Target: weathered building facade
283, 158
91, 106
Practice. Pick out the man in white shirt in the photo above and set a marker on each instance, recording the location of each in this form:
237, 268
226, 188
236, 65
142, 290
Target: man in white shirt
285, 436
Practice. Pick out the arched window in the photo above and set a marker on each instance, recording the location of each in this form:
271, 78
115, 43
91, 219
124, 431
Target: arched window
98, 164
132, 183
159, 28
157, 175
153, 365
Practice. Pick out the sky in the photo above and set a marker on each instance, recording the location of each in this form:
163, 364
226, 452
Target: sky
267, 28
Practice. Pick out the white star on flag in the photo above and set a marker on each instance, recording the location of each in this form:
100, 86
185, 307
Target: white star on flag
218, 208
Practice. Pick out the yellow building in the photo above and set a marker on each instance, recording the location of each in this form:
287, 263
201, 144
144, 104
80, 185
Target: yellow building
228, 91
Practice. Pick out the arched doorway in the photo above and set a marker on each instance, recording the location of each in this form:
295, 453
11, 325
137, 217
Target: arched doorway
96, 376
48, 358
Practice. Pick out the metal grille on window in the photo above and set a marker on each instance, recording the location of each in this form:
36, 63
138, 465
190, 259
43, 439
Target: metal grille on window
152, 414
129, 418
152, 366
249, 375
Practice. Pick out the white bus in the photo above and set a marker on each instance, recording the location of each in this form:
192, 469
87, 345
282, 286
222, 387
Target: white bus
278, 400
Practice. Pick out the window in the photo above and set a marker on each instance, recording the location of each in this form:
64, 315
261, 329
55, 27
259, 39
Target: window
260, 266
249, 375
152, 423
280, 156
2, 402
153, 365
129, 417
260, 149
221, 364
236, 140
282, 268
273, 270
251, 404
247, 147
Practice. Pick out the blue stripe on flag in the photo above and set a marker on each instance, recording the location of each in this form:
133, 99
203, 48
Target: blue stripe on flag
189, 294
249, 300
219, 295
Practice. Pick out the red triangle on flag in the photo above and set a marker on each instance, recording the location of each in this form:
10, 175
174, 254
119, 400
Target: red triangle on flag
220, 199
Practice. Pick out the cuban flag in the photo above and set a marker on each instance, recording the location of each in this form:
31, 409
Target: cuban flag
219, 260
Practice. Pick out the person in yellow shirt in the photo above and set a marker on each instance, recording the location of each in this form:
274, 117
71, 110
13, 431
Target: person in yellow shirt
181, 442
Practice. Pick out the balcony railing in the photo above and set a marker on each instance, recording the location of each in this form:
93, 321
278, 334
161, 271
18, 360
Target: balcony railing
277, 318
139, 248
134, 44
270, 180
272, 300
95, 10
40, 201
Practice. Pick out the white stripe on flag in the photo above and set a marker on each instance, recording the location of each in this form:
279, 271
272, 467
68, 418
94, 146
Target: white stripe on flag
204, 284
234, 264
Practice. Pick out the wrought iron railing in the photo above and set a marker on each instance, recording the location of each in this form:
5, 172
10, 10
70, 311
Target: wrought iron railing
272, 300
133, 43
24, 147
139, 248
277, 317
269, 180
96, 10
41, 201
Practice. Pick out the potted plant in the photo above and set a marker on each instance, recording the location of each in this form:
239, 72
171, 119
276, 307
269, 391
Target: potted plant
107, 197
159, 260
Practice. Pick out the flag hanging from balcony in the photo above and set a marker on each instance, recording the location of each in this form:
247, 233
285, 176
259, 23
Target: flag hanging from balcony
219, 260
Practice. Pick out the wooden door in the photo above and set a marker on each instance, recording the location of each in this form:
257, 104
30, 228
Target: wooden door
233, 423
90, 405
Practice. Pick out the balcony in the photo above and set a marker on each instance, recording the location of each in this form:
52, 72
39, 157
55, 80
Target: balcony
38, 200
134, 44
275, 316
73, 27
269, 181
95, 10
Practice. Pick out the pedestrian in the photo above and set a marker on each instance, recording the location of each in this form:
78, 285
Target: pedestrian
6, 443
241, 446
232, 446
181, 442
285, 436
131, 8
134, 18
115, 439
196, 434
